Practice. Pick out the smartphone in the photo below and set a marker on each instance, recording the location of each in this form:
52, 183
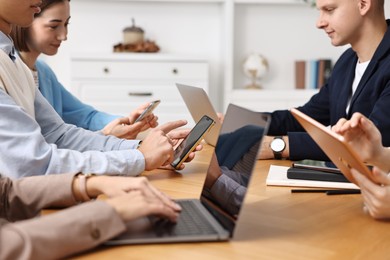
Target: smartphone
316, 168
148, 110
192, 140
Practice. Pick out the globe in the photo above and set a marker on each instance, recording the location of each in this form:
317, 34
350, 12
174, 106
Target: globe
255, 67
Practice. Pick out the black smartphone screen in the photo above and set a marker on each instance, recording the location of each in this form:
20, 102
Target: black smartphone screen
192, 140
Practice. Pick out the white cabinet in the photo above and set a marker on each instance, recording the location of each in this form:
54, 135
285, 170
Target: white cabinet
270, 100
119, 82
225, 32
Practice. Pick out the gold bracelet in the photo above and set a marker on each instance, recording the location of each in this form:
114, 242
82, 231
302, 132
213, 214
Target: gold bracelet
83, 186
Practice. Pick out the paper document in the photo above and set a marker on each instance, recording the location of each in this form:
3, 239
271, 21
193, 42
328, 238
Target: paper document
277, 176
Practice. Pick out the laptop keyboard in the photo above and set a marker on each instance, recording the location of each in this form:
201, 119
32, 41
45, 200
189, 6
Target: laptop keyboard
190, 222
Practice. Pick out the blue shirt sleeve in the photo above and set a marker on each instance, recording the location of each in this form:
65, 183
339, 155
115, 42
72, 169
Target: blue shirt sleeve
47, 145
71, 109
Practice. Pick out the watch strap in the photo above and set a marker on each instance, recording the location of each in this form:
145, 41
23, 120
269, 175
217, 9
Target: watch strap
277, 156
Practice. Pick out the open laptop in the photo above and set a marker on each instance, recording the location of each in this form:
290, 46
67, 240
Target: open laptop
198, 103
333, 145
213, 216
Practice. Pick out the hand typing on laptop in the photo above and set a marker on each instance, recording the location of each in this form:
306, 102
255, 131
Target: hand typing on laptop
142, 201
129, 198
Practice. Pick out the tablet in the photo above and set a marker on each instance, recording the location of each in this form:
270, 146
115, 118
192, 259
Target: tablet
333, 145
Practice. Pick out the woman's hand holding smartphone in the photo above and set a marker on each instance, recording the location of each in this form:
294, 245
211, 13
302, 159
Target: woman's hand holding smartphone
148, 110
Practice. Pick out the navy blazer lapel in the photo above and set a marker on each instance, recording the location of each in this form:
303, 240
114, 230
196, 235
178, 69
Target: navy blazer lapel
382, 49
362, 84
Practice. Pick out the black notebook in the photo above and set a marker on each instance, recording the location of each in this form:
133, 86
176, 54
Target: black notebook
314, 175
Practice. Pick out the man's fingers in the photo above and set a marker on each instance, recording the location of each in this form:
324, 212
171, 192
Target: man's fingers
179, 133
336, 128
367, 125
162, 196
380, 176
124, 121
167, 127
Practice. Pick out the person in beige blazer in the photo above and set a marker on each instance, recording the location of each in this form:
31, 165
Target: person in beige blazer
81, 226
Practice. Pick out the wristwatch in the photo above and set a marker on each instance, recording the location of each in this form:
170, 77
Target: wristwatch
277, 146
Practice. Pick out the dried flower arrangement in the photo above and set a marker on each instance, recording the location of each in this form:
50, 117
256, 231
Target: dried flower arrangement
310, 2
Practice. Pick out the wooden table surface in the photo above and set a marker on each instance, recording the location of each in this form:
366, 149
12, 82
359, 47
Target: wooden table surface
274, 223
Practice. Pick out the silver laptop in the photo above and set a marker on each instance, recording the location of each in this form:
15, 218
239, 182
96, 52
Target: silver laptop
213, 216
198, 103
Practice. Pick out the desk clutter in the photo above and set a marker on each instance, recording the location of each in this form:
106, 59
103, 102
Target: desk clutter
144, 46
305, 172
134, 41
278, 176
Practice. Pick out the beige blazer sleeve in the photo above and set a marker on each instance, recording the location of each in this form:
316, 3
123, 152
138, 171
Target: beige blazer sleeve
55, 235
24, 198
62, 233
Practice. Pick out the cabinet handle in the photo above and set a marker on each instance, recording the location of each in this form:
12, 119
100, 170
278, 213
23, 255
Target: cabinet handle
175, 71
140, 94
106, 70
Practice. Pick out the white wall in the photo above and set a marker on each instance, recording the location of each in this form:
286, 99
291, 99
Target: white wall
282, 34
96, 26
197, 28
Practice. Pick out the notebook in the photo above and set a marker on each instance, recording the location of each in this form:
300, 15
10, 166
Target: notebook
315, 175
198, 103
277, 176
213, 216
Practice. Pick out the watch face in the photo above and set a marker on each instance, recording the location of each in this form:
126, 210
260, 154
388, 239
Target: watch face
277, 145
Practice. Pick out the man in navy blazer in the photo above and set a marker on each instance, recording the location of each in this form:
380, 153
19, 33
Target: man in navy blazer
360, 80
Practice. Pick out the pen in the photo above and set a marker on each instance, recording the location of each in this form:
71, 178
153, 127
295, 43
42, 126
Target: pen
308, 190
327, 191
342, 192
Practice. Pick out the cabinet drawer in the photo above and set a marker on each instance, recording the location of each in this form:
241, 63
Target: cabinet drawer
138, 70
119, 83
131, 92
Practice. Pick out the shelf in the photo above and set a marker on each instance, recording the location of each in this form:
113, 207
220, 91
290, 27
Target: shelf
213, 1
269, 93
138, 56
270, 100
269, 2
164, 1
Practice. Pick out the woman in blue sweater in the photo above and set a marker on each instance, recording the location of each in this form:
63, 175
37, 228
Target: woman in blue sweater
45, 36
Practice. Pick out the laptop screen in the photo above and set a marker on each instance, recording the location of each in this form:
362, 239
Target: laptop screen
193, 96
232, 164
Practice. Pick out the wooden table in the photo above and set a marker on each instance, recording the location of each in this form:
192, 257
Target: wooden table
274, 224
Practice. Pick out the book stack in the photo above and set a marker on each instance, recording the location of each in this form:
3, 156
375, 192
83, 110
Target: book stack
312, 74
